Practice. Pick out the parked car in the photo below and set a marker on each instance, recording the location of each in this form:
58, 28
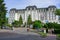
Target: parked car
6, 27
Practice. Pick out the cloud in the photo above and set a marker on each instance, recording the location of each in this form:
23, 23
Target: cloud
41, 3
57, 2
21, 4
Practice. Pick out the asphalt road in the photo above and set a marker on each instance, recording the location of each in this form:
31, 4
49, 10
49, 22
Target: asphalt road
23, 35
13, 36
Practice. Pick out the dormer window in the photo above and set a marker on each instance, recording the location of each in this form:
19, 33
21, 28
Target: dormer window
52, 8
32, 8
27, 8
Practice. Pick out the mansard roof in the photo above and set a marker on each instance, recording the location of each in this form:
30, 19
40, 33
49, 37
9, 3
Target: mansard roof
42, 8
21, 10
12, 9
31, 6
52, 6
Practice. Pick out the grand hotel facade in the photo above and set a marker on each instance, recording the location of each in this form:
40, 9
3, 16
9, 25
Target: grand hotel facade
43, 14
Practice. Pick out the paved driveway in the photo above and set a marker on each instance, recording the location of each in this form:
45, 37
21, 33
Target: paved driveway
22, 34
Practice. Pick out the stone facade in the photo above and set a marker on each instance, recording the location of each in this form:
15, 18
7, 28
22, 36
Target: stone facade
43, 14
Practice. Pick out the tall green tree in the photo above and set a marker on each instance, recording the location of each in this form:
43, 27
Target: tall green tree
6, 20
3, 12
57, 12
20, 20
29, 20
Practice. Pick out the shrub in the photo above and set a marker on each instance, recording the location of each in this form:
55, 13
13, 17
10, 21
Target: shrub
57, 26
37, 24
45, 26
50, 25
43, 34
15, 24
57, 31
10, 26
58, 37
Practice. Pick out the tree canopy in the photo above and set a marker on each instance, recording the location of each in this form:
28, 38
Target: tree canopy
3, 12
37, 24
57, 12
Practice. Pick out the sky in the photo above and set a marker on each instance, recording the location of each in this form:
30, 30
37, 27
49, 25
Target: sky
21, 4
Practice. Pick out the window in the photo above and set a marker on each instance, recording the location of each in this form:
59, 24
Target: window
42, 17
28, 8
49, 15
32, 8
39, 10
59, 18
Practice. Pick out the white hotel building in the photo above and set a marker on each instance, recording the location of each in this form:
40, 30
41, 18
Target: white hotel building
42, 14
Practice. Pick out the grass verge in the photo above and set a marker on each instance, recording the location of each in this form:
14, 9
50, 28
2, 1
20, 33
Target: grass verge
58, 37
43, 34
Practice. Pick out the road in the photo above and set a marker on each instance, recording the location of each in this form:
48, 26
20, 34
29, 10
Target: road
22, 34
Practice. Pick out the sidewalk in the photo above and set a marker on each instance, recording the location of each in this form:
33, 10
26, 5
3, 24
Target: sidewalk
5, 30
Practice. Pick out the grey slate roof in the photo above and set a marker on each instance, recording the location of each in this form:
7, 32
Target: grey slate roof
12, 9
52, 6
31, 6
